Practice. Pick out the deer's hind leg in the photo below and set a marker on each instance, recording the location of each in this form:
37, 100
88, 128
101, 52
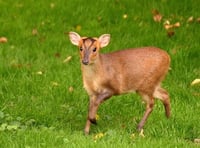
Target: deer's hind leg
163, 95
149, 100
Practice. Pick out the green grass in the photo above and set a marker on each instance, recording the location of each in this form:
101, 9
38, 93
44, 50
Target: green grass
38, 110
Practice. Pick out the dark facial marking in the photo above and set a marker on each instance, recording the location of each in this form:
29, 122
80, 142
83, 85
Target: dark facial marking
87, 44
90, 39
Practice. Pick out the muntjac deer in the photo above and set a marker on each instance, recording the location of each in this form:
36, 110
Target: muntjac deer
138, 70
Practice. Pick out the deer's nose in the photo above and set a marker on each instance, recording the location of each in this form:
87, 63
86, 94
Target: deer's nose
85, 62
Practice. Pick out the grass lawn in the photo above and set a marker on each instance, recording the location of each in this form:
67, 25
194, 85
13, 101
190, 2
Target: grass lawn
42, 100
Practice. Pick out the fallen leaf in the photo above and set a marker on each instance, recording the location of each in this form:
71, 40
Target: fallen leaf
132, 136
52, 5
166, 22
196, 81
142, 133
39, 73
98, 136
168, 26
157, 17
170, 33
125, 16
123, 126
3, 40
57, 55
71, 89
67, 59
54, 83
190, 19
197, 140
176, 25
78, 28
34, 32
198, 20
97, 117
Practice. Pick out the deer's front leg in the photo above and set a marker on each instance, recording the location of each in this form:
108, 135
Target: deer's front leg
95, 101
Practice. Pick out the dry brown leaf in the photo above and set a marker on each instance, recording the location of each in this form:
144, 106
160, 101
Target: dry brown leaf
71, 89
176, 25
57, 55
3, 40
198, 20
67, 59
157, 17
197, 140
123, 126
190, 19
196, 81
34, 32
168, 26
170, 33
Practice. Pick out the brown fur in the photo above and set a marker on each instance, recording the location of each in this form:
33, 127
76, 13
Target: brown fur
138, 70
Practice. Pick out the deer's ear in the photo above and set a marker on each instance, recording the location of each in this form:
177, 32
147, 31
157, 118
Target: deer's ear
104, 40
74, 38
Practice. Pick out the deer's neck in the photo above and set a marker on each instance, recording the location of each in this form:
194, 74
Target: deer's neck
93, 69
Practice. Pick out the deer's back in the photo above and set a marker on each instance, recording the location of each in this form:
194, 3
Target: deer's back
139, 69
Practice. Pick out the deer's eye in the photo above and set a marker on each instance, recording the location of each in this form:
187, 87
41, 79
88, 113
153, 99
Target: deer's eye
81, 49
95, 49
